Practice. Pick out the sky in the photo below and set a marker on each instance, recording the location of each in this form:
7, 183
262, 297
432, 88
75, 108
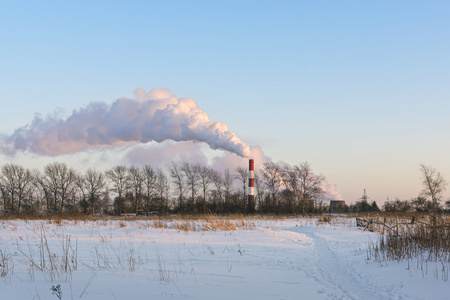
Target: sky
359, 89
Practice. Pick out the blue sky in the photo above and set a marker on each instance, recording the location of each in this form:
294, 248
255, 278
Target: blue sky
359, 89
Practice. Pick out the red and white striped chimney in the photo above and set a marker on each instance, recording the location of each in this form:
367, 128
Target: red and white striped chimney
251, 186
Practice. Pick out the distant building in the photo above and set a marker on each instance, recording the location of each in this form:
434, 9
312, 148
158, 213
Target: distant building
337, 206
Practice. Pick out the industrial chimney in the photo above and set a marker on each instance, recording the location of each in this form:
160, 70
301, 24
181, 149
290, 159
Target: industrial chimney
251, 186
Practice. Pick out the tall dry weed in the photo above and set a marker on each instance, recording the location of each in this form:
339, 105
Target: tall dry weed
423, 243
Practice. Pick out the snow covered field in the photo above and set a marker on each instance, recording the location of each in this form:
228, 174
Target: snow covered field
262, 259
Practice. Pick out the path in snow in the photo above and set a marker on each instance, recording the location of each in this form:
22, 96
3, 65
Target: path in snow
337, 280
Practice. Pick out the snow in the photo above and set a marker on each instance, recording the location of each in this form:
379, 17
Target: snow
265, 259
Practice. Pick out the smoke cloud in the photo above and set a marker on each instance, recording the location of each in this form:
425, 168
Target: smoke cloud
162, 155
330, 191
154, 127
154, 116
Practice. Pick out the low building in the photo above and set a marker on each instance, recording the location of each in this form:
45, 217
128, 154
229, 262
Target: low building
337, 206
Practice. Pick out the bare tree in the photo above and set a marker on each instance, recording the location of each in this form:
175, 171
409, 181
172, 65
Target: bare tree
271, 173
119, 176
59, 179
291, 183
228, 185
42, 186
259, 191
92, 187
136, 182
50, 180
178, 179
16, 185
162, 187
80, 182
4, 193
218, 182
309, 184
242, 176
433, 184
149, 176
95, 184
204, 174
291, 180
191, 174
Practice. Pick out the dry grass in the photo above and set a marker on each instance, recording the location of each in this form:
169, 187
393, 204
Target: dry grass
46, 252
422, 243
325, 219
6, 265
122, 224
189, 223
205, 222
55, 262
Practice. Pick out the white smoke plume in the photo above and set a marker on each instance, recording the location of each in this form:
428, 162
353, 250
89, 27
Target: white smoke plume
175, 124
153, 116
162, 155
330, 191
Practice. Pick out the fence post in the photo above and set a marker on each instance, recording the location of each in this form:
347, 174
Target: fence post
413, 219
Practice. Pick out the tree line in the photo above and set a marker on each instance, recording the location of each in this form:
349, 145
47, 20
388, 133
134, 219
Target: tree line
429, 199
182, 188
186, 188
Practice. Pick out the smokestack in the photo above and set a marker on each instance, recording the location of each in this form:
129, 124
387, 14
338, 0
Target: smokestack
251, 186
